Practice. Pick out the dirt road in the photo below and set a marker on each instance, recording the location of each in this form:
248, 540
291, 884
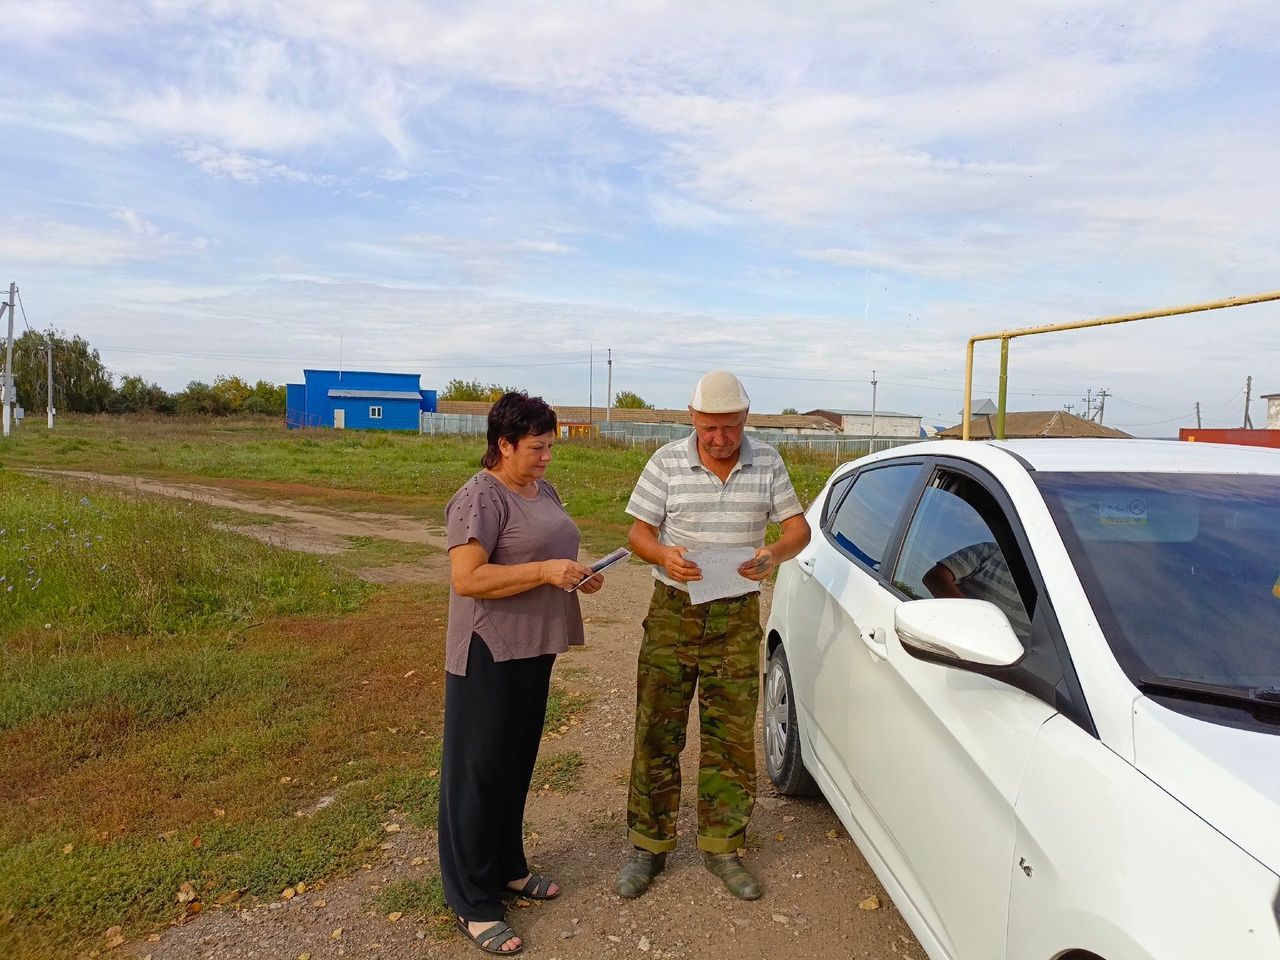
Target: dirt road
814, 876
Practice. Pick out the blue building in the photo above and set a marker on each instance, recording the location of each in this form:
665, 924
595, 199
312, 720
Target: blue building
357, 400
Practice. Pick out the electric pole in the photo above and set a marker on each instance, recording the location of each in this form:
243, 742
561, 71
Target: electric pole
1248, 382
1087, 400
1102, 402
873, 411
608, 411
8, 365
1068, 407
591, 375
48, 352
1198, 427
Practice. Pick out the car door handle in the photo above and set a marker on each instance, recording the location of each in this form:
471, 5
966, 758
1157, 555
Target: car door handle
807, 565
876, 643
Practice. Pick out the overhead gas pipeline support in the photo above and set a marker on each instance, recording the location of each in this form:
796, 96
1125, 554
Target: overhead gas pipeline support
1004, 336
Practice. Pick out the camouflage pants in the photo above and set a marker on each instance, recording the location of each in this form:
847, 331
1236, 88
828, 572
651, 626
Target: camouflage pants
715, 647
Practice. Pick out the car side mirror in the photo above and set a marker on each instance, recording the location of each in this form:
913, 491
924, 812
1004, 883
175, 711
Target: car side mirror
957, 633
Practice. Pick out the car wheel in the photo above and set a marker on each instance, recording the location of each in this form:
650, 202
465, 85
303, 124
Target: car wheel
781, 735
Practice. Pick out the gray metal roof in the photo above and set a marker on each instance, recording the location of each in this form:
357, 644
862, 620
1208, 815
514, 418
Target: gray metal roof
375, 395
867, 413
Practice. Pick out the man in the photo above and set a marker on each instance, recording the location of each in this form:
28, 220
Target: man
715, 489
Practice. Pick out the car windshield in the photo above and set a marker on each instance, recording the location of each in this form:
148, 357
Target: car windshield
1183, 570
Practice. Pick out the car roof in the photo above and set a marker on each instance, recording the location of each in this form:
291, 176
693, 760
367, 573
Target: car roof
1099, 455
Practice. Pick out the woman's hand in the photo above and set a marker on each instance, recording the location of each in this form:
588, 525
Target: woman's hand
565, 574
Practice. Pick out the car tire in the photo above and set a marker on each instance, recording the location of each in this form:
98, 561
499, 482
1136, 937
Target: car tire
781, 735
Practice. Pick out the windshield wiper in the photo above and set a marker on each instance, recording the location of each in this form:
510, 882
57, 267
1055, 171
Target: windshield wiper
1188, 689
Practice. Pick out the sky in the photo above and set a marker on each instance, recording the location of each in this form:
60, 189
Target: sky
803, 193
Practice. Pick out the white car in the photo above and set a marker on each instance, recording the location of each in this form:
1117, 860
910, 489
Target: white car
1039, 683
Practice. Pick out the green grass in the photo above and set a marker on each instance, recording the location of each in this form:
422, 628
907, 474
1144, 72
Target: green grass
363, 470
561, 772
77, 568
377, 552
561, 706
423, 898
173, 695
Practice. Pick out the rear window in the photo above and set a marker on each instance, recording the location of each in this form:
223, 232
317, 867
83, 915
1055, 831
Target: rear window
866, 518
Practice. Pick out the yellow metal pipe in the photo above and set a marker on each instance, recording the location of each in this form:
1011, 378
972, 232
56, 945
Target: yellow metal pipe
1007, 335
968, 391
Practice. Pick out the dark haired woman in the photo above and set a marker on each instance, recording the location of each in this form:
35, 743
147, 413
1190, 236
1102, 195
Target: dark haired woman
512, 607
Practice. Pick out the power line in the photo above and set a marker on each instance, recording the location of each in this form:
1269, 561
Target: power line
22, 306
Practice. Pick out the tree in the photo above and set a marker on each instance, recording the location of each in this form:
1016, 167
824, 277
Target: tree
135, 395
792, 411
267, 399
627, 400
231, 393
200, 400
473, 390
81, 384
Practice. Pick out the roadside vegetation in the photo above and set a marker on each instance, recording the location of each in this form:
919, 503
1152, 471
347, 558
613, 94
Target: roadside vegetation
187, 715
357, 470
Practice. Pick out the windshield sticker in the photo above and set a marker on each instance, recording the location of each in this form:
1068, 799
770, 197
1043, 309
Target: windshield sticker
1125, 511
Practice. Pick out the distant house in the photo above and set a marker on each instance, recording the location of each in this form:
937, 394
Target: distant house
866, 423
357, 400
1027, 424
1273, 410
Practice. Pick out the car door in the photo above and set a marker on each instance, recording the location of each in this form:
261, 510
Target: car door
836, 572
938, 752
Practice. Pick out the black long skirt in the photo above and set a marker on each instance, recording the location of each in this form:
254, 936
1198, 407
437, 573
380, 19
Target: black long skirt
492, 726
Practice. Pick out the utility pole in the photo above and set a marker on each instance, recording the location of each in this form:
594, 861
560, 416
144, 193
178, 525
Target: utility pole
1088, 404
1248, 382
591, 376
48, 352
1068, 407
608, 411
1102, 402
873, 411
8, 365
1198, 426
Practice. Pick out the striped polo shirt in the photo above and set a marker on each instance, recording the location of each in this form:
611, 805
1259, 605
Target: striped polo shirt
692, 508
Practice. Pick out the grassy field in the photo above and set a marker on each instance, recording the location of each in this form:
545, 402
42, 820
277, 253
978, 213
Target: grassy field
354, 470
185, 709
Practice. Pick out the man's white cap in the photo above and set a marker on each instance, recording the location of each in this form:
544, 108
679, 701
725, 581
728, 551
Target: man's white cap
720, 392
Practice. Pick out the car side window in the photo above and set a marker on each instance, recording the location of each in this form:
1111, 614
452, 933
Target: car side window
833, 496
866, 518
959, 544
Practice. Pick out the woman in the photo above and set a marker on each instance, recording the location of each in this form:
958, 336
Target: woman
512, 607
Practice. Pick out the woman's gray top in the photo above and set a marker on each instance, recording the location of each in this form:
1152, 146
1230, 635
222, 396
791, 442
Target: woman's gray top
512, 529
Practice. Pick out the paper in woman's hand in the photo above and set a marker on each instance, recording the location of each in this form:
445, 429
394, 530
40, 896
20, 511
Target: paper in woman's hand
720, 576
604, 563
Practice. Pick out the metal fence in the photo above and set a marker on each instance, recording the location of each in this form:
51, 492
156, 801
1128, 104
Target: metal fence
453, 423
654, 435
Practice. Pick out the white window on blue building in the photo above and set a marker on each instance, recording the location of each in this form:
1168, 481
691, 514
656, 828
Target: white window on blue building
375, 413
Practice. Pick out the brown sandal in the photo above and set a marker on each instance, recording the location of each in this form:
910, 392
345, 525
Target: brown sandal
500, 933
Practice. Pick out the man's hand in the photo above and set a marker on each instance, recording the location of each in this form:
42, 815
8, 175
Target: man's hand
677, 567
759, 566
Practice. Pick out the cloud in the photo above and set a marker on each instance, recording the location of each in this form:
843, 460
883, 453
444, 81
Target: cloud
231, 165
33, 240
